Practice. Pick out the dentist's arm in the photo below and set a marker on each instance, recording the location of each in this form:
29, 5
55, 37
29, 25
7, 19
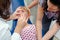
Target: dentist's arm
39, 22
34, 3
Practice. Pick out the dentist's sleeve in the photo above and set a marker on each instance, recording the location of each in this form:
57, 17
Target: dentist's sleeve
16, 36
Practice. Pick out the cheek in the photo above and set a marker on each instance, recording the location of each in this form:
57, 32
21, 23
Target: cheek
26, 15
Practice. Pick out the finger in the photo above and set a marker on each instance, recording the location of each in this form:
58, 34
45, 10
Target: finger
24, 17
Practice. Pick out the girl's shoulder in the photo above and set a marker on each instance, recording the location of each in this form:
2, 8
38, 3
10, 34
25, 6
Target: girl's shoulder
30, 26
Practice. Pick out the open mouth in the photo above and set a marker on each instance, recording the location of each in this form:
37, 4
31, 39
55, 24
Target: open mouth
17, 14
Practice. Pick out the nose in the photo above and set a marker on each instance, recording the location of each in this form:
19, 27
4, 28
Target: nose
49, 9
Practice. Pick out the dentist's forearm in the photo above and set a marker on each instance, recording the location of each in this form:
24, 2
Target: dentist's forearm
34, 3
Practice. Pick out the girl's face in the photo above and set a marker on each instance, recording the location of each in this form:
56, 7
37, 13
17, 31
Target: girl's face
51, 7
21, 12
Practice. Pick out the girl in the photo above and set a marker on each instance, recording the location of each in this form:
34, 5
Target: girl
14, 5
29, 30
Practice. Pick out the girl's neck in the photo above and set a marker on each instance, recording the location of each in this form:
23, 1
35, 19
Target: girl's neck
27, 25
